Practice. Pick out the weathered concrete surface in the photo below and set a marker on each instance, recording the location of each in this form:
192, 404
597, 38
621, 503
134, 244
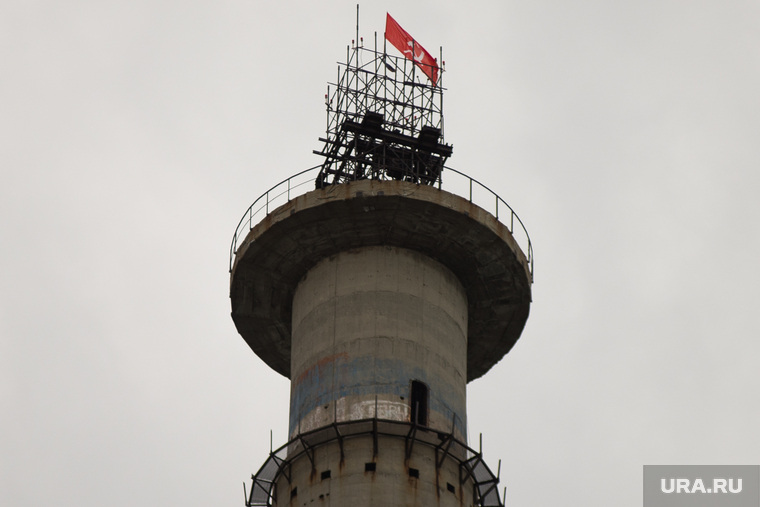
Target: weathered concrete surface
366, 323
466, 239
390, 484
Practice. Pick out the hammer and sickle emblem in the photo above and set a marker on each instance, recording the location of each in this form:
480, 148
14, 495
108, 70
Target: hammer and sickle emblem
417, 58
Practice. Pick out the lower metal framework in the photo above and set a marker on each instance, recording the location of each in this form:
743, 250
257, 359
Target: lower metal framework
471, 464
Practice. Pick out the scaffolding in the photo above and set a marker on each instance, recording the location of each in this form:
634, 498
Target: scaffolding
384, 121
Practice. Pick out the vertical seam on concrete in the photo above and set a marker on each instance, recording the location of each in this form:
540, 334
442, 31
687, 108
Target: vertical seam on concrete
334, 318
375, 267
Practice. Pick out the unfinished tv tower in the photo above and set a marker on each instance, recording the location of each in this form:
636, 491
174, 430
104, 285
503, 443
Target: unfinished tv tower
380, 291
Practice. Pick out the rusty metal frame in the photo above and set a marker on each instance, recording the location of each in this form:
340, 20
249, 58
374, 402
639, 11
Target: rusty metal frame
410, 438
471, 466
383, 122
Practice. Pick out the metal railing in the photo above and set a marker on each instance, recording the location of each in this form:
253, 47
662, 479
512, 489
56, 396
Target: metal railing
461, 185
472, 466
482, 196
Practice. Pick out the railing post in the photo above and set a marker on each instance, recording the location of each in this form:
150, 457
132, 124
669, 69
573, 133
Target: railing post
290, 187
233, 249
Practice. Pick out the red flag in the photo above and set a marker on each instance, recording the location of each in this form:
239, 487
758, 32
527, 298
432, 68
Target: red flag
410, 48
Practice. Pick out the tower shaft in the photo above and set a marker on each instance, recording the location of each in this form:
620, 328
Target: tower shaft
379, 300
381, 332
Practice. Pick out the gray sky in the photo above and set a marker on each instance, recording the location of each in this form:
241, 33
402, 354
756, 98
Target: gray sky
133, 135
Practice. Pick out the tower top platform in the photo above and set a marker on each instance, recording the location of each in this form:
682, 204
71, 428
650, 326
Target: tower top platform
267, 265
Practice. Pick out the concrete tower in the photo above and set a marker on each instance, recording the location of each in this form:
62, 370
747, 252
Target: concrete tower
379, 294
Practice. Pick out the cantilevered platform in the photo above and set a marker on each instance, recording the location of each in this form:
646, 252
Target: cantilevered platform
469, 241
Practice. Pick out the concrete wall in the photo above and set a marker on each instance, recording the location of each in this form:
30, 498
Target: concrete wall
366, 323
469, 241
392, 483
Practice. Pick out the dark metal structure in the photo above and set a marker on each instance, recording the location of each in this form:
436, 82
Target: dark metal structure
384, 121
472, 467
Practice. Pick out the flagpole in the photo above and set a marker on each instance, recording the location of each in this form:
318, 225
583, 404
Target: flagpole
414, 78
385, 78
440, 88
440, 65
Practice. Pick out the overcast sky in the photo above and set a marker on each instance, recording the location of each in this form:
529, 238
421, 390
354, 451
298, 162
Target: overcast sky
134, 134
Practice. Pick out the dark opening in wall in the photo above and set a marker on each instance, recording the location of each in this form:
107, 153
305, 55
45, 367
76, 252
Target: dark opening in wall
294, 492
325, 475
419, 403
370, 467
451, 487
413, 472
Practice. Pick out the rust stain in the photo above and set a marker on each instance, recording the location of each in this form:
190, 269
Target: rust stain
321, 364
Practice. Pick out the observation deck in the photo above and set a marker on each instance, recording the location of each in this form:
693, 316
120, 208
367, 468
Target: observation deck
288, 230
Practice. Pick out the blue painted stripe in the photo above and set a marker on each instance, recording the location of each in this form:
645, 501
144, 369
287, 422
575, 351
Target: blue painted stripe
368, 376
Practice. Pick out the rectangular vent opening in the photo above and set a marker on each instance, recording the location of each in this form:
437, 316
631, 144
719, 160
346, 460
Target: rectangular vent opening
413, 472
370, 467
325, 475
294, 492
451, 487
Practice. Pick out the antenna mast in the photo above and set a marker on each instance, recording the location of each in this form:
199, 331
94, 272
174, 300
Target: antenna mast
384, 121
